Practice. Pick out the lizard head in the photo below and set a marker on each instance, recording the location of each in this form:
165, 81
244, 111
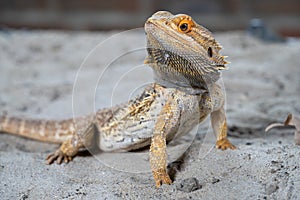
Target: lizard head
181, 52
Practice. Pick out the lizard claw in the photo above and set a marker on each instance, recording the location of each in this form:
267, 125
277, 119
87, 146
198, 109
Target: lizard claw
59, 156
224, 144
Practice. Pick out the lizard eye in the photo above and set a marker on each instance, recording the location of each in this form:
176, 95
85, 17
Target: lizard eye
185, 26
210, 52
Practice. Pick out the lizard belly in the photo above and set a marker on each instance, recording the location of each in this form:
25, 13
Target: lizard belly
128, 136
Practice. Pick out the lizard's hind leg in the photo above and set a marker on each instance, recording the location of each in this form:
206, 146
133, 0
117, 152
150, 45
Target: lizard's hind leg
70, 147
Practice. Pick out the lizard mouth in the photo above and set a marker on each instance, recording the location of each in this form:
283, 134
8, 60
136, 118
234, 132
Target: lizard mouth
220, 67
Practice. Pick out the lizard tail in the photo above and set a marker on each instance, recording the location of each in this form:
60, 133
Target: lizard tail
42, 130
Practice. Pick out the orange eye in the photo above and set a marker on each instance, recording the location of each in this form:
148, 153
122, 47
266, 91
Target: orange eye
185, 26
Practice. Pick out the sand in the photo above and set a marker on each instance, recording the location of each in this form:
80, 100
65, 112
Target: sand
38, 70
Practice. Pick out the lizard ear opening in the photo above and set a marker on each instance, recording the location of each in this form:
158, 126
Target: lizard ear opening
210, 52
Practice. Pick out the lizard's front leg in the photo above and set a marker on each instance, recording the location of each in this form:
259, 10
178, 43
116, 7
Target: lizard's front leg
219, 125
70, 147
167, 118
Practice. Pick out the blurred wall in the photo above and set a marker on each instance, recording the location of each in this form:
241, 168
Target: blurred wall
281, 15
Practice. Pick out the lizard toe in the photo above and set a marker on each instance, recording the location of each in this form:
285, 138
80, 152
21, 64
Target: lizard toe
58, 156
224, 144
161, 177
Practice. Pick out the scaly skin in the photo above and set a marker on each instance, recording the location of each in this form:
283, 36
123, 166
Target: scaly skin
186, 62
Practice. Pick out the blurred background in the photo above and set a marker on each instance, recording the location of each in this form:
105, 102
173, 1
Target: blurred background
283, 16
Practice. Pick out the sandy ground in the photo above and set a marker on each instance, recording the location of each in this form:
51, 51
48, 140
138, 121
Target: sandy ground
37, 74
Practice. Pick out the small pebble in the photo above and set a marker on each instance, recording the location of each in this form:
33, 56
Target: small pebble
271, 188
215, 180
188, 185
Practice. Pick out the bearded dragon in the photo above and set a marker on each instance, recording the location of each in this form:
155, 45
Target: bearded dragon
186, 62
